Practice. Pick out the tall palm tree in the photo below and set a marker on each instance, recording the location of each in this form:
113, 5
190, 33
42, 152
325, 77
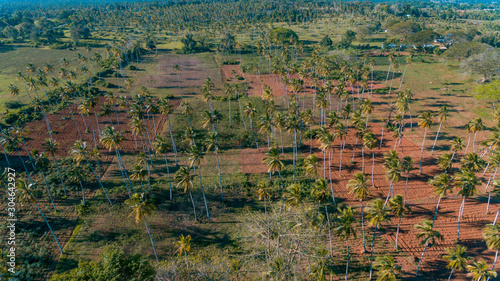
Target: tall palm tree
371, 142
494, 162
178, 69
211, 142
425, 122
467, 182
51, 146
273, 162
166, 109
311, 165
140, 209
195, 156
406, 166
160, 146
345, 229
184, 247
358, 187
250, 112
376, 214
456, 257
112, 140
399, 209
477, 127
428, 237
491, 236
456, 145
263, 192
26, 195
442, 114
387, 270
41, 163
293, 126
442, 184
185, 181
479, 271
77, 175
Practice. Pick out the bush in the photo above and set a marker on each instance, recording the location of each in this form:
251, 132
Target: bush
230, 62
13, 105
132, 67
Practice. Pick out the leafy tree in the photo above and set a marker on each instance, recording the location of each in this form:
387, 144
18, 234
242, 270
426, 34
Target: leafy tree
113, 265
422, 37
326, 42
483, 64
284, 36
348, 36
489, 91
404, 29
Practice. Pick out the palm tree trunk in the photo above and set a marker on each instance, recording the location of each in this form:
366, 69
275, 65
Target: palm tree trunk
489, 194
83, 193
371, 254
347, 266
397, 232
59, 172
363, 225
462, 206
437, 135
467, 147
173, 141
422, 151
373, 166
151, 238
451, 273
194, 208
330, 175
220, 176
50, 228
168, 172
421, 258
406, 186
99, 181
204, 196
436, 212
474, 143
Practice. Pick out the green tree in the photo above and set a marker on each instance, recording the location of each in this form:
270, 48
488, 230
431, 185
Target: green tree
185, 181
399, 209
428, 237
358, 187
387, 270
479, 271
345, 229
456, 257
425, 122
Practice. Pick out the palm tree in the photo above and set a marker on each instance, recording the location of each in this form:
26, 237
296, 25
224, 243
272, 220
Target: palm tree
112, 140
293, 127
293, 194
477, 127
250, 112
479, 270
166, 109
428, 237
473, 162
425, 122
442, 114
195, 156
358, 187
273, 162
263, 191
138, 173
371, 142
406, 166
140, 209
185, 180
467, 182
211, 142
491, 235
456, 257
160, 146
26, 195
387, 270
456, 145
184, 247
376, 214
321, 266
494, 162
399, 209
345, 229
51, 146
178, 69
444, 162
311, 165
442, 184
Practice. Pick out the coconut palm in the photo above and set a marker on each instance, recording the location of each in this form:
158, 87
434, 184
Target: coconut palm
456, 145
477, 127
494, 162
263, 192
444, 162
140, 209
195, 156
467, 181
387, 270
250, 112
184, 247
371, 142
25, 194
399, 209
51, 146
311, 165
456, 257
345, 229
185, 181
321, 266
160, 146
293, 194
293, 126
442, 114
428, 237
479, 271
442, 184
425, 122
41, 163
112, 140
273, 162
473, 162
406, 166
376, 214
491, 236
358, 187
77, 174
211, 142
